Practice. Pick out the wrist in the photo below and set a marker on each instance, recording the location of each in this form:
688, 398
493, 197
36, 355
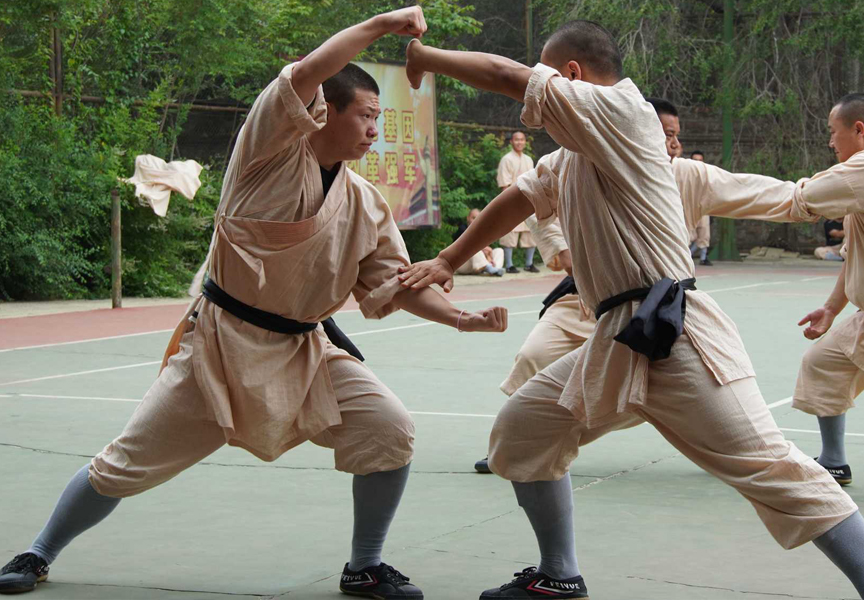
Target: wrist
379, 26
448, 261
832, 308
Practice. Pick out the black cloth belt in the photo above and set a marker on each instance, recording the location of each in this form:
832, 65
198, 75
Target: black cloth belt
658, 321
566, 287
273, 322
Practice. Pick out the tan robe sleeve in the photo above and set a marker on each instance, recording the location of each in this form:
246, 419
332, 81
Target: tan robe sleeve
377, 281
506, 171
278, 119
540, 184
832, 194
604, 124
549, 237
709, 190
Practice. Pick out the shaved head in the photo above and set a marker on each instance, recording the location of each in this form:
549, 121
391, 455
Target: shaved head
589, 44
850, 109
341, 89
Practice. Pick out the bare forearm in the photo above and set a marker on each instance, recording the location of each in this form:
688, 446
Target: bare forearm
332, 56
428, 304
837, 301
488, 72
505, 212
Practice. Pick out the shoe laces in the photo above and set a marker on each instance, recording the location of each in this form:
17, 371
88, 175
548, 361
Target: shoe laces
394, 576
527, 573
26, 563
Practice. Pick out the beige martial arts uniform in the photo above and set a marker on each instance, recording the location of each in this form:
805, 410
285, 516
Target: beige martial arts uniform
510, 167
479, 262
705, 190
832, 371
701, 233
624, 224
232, 382
564, 326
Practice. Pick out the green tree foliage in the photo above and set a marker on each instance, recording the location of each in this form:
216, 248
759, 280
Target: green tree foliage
148, 60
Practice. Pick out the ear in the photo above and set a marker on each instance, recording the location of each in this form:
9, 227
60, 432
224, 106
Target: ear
574, 71
859, 128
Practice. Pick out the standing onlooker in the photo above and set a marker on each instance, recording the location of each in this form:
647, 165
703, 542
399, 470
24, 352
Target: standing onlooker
511, 166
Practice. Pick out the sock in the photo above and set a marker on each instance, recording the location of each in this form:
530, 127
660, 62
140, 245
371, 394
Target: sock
833, 430
376, 497
529, 256
844, 545
80, 507
508, 257
549, 506
703, 253
490, 268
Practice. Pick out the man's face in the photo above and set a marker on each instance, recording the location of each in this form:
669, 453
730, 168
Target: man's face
845, 140
698, 157
672, 128
473, 214
517, 141
350, 132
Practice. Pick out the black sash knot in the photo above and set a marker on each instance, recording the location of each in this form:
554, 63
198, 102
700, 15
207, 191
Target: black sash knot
658, 321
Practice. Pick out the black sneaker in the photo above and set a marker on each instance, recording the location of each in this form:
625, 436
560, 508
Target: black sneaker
482, 465
532, 269
512, 270
23, 573
382, 582
842, 474
706, 263
532, 584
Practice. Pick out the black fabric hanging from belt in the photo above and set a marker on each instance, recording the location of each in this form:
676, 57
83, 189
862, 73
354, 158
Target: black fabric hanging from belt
273, 322
566, 287
658, 321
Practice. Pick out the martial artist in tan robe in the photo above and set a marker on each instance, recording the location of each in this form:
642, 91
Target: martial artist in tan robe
283, 246
705, 190
613, 188
832, 371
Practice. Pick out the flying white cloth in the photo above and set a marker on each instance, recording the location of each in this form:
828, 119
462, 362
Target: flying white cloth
154, 180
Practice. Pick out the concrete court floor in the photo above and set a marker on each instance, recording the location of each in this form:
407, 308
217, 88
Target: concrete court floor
650, 525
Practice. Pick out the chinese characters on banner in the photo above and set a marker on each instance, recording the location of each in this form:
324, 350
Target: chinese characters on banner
403, 160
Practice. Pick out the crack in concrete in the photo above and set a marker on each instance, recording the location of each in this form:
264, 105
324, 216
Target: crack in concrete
734, 591
161, 589
217, 464
576, 489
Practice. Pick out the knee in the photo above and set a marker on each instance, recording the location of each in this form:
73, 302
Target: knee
531, 356
112, 475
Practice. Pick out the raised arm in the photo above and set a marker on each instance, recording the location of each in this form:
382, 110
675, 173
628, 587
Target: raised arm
488, 72
332, 56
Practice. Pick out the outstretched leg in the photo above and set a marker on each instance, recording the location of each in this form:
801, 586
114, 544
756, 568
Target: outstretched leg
80, 507
167, 433
844, 545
